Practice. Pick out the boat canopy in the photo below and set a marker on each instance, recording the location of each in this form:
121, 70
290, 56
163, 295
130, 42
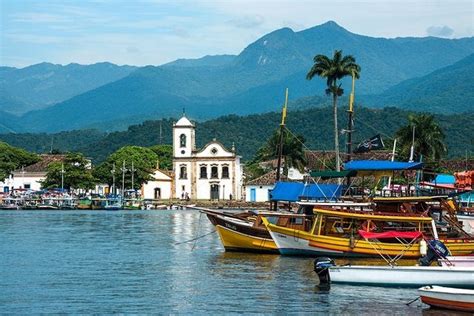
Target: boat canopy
390, 234
381, 165
377, 217
294, 191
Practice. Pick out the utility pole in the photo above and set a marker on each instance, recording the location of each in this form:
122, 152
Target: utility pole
62, 177
113, 179
123, 178
133, 176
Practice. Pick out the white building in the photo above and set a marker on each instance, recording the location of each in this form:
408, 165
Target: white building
160, 188
258, 190
211, 173
30, 177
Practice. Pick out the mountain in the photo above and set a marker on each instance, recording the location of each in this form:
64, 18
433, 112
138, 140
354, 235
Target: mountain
252, 82
248, 133
446, 90
41, 85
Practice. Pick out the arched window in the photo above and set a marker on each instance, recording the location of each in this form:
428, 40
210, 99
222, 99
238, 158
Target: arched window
182, 140
214, 172
203, 173
182, 172
225, 172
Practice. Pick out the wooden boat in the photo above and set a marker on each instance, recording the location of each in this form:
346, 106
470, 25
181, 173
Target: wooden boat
407, 276
346, 234
246, 231
447, 298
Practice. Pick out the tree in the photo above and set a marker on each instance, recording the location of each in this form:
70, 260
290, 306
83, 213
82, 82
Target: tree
12, 158
74, 172
429, 138
292, 151
144, 161
333, 70
165, 155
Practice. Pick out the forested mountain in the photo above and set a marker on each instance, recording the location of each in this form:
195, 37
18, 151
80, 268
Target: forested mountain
40, 85
447, 90
253, 81
248, 133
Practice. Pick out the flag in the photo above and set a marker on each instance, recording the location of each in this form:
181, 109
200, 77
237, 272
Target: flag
374, 143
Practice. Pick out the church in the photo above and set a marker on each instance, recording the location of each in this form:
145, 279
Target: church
210, 173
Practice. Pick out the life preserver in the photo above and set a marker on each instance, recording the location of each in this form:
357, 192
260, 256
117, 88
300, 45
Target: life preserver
369, 226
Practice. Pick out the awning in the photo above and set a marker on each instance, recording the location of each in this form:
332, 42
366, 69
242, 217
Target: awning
390, 234
378, 165
329, 174
294, 191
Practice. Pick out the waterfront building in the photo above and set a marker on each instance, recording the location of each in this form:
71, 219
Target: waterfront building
30, 177
210, 173
258, 190
161, 187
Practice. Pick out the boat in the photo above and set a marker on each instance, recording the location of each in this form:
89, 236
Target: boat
457, 261
245, 231
447, 297
345, 233
113, 203
405, 276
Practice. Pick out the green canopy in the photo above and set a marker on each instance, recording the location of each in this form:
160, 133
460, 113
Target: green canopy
329, 174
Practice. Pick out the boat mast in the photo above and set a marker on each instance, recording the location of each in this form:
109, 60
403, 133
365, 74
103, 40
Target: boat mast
282, 128
350, 122
280, 144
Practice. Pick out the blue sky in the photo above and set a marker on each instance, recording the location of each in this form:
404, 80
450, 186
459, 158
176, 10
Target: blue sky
153, 32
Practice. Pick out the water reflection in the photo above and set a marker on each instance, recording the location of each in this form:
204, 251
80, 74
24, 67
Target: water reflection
140, 262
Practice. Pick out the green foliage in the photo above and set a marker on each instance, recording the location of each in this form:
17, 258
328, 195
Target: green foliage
165, 156
252, 170
77, 173
12, 158
144, 161
292, 150
429, 138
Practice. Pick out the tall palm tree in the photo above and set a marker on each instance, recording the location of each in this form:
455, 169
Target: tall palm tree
333, 70
429, 138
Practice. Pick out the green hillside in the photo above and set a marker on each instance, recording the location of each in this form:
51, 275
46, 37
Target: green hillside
248, 133
447, 90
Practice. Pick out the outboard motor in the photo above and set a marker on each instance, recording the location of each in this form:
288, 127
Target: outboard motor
321, 267
436, 250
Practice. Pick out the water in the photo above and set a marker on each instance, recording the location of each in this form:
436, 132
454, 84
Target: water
132, 262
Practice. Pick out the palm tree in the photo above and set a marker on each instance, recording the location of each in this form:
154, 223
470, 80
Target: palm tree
333, 70
292, 151
429, 137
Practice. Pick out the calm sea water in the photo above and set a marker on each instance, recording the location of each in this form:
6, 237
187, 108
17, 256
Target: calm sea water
136, 262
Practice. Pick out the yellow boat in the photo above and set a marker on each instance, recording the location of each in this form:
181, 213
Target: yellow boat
358, 234
246, 231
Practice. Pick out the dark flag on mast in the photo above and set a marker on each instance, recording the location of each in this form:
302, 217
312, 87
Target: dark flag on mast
374, 143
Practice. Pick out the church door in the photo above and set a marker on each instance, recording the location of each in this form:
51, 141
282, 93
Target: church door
214, 191
157, 193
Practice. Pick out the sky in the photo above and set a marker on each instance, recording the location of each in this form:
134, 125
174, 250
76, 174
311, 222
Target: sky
153, 32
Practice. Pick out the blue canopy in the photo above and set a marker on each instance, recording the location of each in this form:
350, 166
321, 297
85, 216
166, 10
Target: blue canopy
294, 191
379, 165
445, 179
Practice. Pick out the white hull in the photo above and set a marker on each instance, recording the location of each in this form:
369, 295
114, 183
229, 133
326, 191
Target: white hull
467, 223
403, 276
458, 261
292, 245
447, 297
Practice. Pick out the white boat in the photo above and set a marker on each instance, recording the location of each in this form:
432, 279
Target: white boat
409, 276
448, 298
457, 261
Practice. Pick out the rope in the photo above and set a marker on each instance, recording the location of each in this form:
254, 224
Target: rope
412, 301
196, 238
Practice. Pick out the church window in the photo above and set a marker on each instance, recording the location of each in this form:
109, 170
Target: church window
203, 173
214, 172
225, 172
182, 140
183, 173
